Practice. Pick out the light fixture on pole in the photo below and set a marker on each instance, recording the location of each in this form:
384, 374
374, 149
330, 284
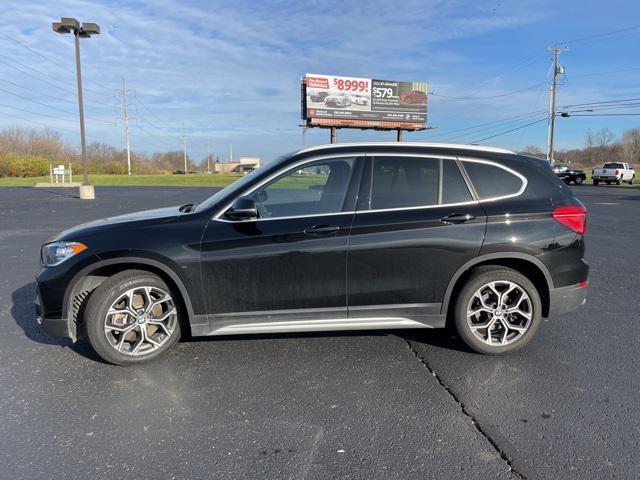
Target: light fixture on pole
85, 30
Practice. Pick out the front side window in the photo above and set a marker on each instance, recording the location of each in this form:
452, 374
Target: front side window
314, 188
491, 181
400, 182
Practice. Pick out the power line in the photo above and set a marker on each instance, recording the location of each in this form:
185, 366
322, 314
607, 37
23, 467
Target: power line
51, 116
47, 82
35, 101
601, 102
627, 31
514, 92
498, 125
509, 131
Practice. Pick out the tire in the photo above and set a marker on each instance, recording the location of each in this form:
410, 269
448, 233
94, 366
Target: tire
578, 180
148, 297
618, 182
506, 340
596, 183
608, 183
631, 180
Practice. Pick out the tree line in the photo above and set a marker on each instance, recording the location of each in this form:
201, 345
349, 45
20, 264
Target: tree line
599, 147
28, 152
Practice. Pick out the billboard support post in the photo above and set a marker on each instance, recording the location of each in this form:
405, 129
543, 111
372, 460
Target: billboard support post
332, 136
399, 136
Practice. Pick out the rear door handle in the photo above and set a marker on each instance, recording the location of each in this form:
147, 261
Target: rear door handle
322, 230
457, 218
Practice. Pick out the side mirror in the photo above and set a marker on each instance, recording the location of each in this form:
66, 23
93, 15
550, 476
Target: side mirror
244, 208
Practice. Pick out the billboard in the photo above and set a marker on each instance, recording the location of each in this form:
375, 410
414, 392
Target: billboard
363, 102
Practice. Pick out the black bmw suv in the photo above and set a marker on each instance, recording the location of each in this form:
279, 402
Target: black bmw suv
335, 237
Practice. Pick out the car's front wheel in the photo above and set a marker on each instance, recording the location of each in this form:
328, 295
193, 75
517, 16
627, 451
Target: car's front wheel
497, 311
132, 317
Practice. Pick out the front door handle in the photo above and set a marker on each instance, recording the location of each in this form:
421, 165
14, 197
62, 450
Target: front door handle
322, 230
457, 218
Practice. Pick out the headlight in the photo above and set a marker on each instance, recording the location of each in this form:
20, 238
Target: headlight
55, 253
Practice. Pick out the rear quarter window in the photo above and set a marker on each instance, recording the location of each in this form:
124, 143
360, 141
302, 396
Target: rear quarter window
492, 181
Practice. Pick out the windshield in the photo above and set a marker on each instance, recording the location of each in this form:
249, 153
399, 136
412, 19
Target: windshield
613, 165
235, 187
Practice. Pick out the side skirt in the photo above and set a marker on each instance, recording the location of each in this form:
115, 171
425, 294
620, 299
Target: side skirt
319, 326
376, 317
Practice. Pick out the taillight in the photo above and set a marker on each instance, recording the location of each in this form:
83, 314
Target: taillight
592, 172
574, 217
617, 172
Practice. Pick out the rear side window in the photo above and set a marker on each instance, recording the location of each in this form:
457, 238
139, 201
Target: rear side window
491, 181
399, 182
454, 188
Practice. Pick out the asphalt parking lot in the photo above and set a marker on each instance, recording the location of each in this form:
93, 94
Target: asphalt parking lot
359, 406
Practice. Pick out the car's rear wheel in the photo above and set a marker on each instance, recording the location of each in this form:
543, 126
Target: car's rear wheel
497, 311
131, 318
579, 180
596, 182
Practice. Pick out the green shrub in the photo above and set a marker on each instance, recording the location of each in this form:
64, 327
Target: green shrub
23, 166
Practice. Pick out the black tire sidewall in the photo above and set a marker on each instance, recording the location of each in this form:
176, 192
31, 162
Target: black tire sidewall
102, 299
477, 280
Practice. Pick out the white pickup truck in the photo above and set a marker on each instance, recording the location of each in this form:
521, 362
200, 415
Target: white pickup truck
613, 173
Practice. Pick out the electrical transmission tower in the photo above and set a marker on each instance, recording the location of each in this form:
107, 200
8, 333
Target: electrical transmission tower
557, 70
125, 110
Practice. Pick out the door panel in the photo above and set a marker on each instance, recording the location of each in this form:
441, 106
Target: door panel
275, 265
408, 257
291, 262
401, 259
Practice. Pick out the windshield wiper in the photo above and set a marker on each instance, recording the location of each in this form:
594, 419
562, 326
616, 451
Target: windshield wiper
188, 207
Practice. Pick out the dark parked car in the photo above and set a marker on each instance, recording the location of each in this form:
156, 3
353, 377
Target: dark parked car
318, 96
568, 175
337, 101
337, 237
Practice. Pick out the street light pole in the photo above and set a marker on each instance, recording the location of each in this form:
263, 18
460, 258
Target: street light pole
83, 144
85, 30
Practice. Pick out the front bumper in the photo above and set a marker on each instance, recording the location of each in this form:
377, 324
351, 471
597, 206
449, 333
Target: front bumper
567, 299
57, 327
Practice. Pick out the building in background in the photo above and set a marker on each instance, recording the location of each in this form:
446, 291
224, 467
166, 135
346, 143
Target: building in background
244, 165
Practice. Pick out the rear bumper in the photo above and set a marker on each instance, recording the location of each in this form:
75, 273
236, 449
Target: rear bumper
567, 299
602, 178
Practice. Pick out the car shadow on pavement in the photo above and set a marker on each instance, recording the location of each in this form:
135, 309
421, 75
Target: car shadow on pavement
24, 314
440, 337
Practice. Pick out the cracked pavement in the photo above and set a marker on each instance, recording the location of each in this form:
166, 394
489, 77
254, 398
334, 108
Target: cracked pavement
359, 405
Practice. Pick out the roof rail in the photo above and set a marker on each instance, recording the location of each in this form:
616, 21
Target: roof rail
458, 146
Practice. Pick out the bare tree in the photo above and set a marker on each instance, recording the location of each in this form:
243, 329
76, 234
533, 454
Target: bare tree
533, 150
631, 146
604, 137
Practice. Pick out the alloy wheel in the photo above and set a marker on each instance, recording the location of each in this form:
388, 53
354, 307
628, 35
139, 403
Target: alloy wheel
140, 320
499, 313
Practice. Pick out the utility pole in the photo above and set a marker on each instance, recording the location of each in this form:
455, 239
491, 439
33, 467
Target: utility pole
125, 108
184, 142
208, 157
231, 153
557, 70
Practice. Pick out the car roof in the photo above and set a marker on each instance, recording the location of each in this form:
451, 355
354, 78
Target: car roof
404, 145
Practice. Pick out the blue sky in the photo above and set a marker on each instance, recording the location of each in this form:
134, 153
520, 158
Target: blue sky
230, 70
